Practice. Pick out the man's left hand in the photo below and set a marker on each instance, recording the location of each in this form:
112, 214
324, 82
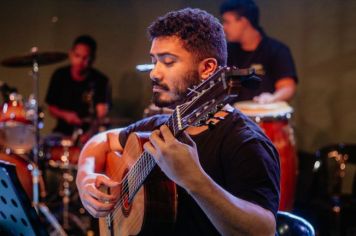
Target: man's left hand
179, 161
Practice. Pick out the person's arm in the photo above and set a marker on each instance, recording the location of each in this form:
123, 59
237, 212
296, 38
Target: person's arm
228, 213
285, 74
102, 110
69, 116
91, 165
285, 91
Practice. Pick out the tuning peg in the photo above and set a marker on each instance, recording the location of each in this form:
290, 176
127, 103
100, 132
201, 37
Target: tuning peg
219, 118
219, 107
211, 114
211, 125
201, 122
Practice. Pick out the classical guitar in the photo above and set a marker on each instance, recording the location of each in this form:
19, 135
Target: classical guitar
148, 201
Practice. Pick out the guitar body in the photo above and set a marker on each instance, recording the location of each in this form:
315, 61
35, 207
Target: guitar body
153, 209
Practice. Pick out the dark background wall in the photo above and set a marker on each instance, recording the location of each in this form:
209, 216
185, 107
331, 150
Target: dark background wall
320, 33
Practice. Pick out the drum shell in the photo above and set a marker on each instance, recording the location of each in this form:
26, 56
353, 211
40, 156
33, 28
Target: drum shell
17, 136
23, 171
282, 136
59, 153
17, 132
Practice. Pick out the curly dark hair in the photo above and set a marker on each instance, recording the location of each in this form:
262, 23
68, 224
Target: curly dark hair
201, 33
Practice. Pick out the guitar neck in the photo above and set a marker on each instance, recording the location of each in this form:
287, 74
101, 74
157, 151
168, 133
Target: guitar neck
146, 162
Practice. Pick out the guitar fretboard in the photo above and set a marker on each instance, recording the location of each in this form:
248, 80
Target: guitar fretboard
146, 162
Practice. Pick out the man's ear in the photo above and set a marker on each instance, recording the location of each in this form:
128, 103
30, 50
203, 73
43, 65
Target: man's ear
207, 67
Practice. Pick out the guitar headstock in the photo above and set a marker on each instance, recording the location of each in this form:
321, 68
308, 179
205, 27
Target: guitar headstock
204, 100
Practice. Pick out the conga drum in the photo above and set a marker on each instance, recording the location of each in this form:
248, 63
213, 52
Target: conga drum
274, 120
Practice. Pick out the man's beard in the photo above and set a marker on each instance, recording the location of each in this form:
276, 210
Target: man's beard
191, 79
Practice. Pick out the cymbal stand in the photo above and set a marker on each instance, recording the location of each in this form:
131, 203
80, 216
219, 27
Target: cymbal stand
36, 172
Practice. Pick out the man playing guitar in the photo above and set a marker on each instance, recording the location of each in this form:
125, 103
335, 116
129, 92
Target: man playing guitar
227, 174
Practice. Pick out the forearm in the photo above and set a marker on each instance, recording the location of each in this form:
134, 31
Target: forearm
92, 158
229, 214
285, 90
102, 110
89, 160
284, 94
57, 112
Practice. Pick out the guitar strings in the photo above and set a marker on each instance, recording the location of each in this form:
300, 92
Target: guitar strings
136, 167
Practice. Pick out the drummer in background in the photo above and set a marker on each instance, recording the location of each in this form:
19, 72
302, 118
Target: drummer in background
78, 94
250, 47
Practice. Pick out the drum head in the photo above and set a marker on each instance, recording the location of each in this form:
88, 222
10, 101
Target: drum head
272, 110
17, 136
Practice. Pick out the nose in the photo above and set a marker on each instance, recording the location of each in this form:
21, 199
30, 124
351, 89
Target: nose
156, 73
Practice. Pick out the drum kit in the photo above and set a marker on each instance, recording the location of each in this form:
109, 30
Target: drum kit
35, 157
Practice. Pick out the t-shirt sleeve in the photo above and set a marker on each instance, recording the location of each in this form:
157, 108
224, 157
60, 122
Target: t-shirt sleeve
252, 173
145, 125
283, 64
53, 91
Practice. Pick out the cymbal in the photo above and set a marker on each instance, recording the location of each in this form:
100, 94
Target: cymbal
42, 58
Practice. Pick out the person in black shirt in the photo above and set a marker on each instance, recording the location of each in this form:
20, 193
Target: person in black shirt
249, 47
228, 177
78, 94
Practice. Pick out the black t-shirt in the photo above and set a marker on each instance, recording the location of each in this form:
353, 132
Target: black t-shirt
237, 156
78, 96
272, 61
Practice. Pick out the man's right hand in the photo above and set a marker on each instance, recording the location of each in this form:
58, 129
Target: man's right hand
72, 118
96, 202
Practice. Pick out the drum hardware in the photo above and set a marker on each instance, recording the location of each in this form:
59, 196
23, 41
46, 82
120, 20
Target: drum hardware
67, 179
62, 156
34, 60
